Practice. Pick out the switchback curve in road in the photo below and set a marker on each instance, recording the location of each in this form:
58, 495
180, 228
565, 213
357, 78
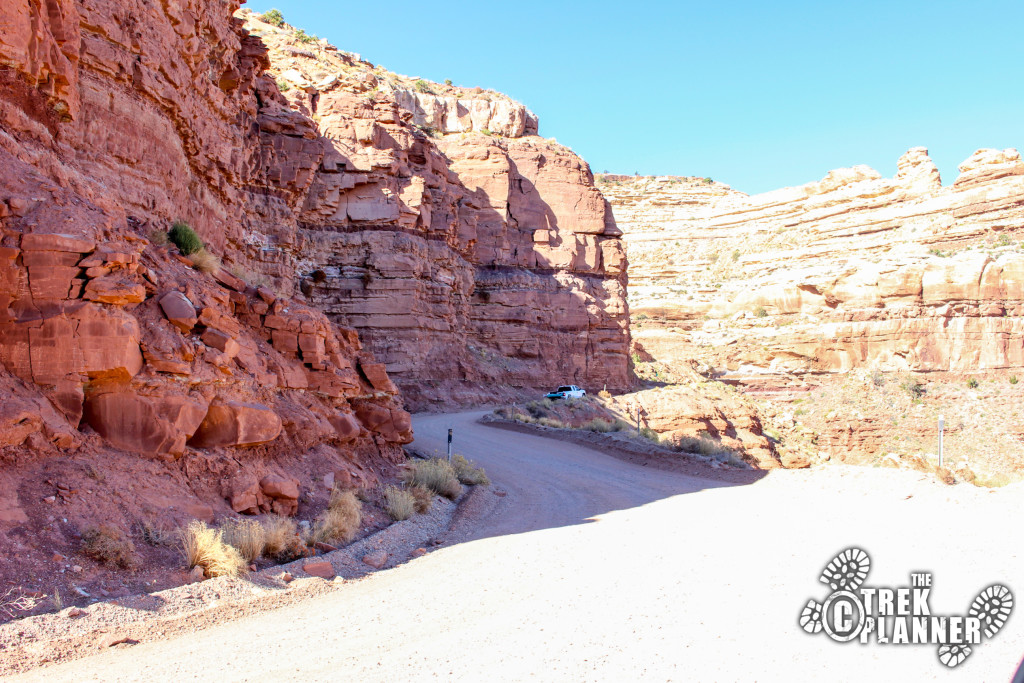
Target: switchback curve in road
591, 568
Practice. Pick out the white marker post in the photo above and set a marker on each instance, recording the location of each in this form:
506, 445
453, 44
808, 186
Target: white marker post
449, 444
941, 425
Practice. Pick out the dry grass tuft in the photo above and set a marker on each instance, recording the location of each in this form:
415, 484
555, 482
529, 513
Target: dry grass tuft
281, 541
156, 534
205, 262
423, 497
605, 394
599, 425
205, 547
435, 474
246, 536
109, 545
467, 473
550, 422
340, 521
400, 503
159, 237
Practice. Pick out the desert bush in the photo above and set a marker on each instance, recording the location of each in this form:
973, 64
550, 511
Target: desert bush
913, 387
761, 312
400, 503
423, 498
605, 394
281, 540
972, 383
538, 409
340, 521
108, 545
878, 378
14, 602
524, 418
736, 255
598, 425
205, 547
185, 238
650, 434
159, 237
1013, 379
435, 474
302, 37
205, 262
246, 536
703, 444
551, 422
273, 17
156, 534
468, 473
620, 425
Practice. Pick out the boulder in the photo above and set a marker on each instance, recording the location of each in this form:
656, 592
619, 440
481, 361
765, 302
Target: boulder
324, 570
237, 424
376, 559
346, 425
283, 493
246, 496
115, 290
179, 311
145, 424
394, 424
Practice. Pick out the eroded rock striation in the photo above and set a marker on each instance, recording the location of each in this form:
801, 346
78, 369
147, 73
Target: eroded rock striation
855, 272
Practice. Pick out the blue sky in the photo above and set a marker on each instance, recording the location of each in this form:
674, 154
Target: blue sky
759, 95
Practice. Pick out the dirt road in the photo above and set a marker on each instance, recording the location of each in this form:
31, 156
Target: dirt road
590, 568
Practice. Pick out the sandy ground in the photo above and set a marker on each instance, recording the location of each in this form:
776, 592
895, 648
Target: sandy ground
592, 568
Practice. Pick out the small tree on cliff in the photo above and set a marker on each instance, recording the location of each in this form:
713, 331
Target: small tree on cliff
273, 17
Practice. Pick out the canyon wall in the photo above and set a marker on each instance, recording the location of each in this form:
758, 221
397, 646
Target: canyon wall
782, 291
366, 224
471, 254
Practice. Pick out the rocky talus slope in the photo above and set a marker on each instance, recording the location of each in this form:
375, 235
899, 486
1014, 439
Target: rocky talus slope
855, 281
361, 222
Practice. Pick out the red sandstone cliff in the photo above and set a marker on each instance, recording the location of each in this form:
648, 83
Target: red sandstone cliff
359, 219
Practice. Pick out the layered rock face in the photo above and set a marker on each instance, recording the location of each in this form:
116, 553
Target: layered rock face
482, 257
855, 272
470, 254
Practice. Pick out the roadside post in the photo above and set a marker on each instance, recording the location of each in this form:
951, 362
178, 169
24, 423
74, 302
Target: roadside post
449, 444
942, 424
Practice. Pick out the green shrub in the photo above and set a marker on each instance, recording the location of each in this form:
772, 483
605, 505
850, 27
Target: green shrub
422, 86
400, 503
760, 312
303, 37
185, 238
273, 17
736, 255
1013, 379
447, 81
434, 474
972, 383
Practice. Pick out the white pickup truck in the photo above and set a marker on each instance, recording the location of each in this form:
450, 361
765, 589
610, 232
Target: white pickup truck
568, 391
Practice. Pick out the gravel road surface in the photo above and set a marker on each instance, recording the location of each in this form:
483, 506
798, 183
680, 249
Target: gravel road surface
584, 567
